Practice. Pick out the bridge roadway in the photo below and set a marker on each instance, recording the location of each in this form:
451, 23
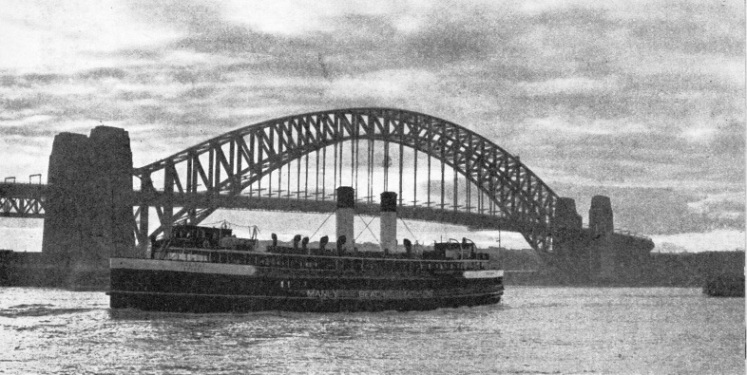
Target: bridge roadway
472, 220
24, 200
27, 201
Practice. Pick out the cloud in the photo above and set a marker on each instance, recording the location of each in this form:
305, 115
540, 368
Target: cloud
228, 40
33, 120
560, 127
721, 206
448, 39
686, 71
65, 37
103, 73
570, 86
286, 18
716, 240
388, 84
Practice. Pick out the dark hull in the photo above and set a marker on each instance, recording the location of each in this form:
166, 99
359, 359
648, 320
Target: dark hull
211, 303
265, 288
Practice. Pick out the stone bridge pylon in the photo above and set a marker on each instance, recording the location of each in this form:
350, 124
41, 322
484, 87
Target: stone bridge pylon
89, 204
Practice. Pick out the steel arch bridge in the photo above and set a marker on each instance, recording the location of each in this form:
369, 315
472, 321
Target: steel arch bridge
227, 165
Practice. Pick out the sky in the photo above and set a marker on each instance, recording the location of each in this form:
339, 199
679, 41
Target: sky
638, 100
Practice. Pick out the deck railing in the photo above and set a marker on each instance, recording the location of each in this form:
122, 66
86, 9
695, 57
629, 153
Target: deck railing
321, 262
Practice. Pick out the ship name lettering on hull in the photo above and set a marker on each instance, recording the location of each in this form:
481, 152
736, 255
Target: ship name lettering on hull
368, 294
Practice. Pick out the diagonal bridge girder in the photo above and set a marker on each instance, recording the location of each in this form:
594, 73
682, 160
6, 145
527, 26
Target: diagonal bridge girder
22, 200
238, 159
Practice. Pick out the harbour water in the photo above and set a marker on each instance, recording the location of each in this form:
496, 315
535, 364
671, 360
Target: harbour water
536, 330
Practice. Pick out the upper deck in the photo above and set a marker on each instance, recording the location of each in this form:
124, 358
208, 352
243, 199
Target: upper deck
219, 245
329, 263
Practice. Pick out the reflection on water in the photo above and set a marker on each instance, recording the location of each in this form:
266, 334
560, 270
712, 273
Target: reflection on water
536, 330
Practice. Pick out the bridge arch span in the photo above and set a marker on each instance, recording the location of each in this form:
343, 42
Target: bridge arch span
231, 162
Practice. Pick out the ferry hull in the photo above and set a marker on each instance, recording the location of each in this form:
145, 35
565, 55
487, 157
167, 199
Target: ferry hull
212, 303
182, 287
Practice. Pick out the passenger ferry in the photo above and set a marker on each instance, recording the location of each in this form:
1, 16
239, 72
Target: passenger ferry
203, 269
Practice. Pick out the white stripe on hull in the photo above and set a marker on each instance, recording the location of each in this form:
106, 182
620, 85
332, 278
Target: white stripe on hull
182, 266
485, 274
308, 296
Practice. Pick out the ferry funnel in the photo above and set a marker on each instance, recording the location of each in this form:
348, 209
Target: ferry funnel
345, 215
388, 221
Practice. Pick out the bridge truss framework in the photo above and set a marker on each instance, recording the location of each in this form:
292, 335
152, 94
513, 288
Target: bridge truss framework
22, 200
227, 165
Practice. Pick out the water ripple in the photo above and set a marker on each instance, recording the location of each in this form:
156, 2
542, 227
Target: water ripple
536, 331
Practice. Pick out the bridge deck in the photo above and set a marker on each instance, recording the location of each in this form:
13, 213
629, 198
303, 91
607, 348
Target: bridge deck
203, 200
22, 200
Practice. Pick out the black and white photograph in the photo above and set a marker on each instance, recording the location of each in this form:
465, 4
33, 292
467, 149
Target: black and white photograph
372, 187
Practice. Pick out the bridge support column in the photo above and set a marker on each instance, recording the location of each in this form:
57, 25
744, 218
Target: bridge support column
168, 209
89, 208
601, 225
143, 240
586, 254
146, 184
66, 221
567, 228
111, 159
572, 253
